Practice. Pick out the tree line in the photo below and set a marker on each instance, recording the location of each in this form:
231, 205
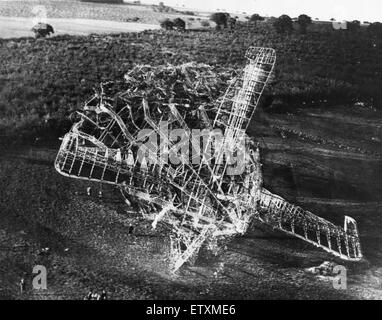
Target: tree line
282, 25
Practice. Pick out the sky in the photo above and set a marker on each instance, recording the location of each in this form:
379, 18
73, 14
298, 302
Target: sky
363, 10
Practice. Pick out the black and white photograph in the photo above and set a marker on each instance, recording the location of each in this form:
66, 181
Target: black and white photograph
185, 150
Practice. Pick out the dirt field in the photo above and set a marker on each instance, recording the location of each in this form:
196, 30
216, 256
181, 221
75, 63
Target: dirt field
89, 246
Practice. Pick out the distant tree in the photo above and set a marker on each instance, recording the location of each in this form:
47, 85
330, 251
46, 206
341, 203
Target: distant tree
231, 23
220, 18
205, 23
162, 8
304, 21
375, 28
332, 19
354, 25
179, 24
283, 24
42, 30
167, 24
256, 17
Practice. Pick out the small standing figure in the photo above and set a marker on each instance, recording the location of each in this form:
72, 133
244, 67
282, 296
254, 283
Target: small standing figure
89, 191
22, 285
131, 229
100, 194
89, 295
103, 295
220, 268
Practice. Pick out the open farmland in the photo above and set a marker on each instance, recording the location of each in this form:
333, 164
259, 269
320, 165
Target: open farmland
318, 150
22, 27
75, 9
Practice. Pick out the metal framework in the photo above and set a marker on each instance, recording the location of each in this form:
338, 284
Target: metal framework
204, 200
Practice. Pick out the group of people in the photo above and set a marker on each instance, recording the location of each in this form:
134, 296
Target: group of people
92, 295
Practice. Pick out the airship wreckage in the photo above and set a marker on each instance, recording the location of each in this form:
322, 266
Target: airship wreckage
203, 192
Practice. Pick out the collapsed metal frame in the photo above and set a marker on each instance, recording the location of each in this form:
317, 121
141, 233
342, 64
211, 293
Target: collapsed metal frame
201, 202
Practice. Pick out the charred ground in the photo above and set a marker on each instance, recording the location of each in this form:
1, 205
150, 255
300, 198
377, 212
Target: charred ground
90, 247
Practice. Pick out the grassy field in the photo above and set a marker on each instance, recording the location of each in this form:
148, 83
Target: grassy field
11, 27
83, 10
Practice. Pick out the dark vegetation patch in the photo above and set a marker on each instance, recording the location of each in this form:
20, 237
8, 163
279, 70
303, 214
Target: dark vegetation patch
43, 80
